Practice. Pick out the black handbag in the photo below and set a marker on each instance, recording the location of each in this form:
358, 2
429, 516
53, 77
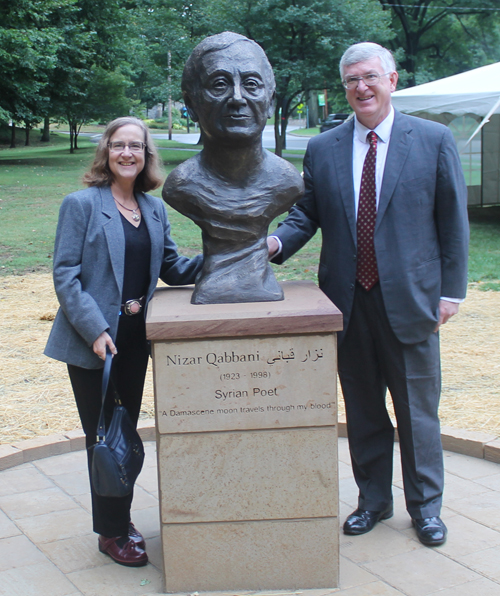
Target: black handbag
118, 454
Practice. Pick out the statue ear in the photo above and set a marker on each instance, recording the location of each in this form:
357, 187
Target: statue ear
189, 105
272, 104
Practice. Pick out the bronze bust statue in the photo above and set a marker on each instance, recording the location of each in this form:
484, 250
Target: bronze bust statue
233, 188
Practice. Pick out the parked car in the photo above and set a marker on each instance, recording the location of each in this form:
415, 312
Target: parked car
332, 121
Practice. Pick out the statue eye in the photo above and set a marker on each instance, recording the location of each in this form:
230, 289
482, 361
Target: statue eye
219, 84
252, 84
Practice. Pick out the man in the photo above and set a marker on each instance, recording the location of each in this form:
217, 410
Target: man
392, 209
234, 188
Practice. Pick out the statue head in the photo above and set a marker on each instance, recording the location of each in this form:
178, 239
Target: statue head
228, 87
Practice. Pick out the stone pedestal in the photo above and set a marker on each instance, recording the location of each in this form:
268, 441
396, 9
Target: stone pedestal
246, 412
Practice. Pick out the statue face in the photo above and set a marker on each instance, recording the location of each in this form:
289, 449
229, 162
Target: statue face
235, 99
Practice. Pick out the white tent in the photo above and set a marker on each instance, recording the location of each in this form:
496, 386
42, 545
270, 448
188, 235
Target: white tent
475, 92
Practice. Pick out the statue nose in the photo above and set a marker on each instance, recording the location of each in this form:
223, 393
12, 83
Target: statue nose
237, 96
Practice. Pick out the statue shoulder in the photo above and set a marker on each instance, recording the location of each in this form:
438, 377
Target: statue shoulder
184, 174
284, 172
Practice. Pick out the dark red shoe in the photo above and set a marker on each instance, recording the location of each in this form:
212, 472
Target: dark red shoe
136, 536
129, 554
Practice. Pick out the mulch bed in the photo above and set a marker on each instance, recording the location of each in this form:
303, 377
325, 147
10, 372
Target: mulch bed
36, 397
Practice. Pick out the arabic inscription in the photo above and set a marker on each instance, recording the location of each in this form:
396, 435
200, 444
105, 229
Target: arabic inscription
245, 383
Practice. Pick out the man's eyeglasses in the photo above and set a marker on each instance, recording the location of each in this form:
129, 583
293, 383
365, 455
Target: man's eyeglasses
119, 146
368, 79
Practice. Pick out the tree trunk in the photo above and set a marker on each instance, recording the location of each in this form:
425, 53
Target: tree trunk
71, 138
284, 120
13, 136
46, 130
169, 97
75, 132
277, 136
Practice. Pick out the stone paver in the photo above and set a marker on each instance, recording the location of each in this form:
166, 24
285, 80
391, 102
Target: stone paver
47, 547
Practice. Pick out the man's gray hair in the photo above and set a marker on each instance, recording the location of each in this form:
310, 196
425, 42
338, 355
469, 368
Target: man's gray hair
360, 52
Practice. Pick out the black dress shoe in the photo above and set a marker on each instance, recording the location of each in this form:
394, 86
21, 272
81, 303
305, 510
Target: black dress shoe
431, 531
136, 536
362, 521
129, 554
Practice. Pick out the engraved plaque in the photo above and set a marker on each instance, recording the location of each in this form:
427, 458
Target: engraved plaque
251, 383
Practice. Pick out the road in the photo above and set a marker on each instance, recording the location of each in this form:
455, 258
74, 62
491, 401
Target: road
292, 141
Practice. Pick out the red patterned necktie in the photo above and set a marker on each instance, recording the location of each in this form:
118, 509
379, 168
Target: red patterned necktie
367, 271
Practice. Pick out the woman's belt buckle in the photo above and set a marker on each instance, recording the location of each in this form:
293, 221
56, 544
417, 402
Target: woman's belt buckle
132, 307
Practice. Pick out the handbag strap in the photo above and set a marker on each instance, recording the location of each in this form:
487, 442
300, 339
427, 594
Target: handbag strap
101, 428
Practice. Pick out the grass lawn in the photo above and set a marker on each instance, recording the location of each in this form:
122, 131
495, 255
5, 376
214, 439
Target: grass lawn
484, 251
34, 180
306, 132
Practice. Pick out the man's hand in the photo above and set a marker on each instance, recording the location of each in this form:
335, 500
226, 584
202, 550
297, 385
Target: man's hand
100, 344
446, 310
272, 246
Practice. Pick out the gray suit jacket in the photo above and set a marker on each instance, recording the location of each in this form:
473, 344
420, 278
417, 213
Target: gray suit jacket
89, 259
421, 233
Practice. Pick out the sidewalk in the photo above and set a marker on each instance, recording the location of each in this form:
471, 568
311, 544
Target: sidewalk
47, 548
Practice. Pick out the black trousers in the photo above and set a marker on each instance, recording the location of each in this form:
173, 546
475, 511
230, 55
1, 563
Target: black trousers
372, 359
111, 516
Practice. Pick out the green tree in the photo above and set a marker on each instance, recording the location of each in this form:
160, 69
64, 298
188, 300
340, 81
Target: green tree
443, 37
95, 42
29, 43
103, 98
163, 28
303, 40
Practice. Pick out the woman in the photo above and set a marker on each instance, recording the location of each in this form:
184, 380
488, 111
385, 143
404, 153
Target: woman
112, 243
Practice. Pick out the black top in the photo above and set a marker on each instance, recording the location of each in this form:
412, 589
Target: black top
137, 260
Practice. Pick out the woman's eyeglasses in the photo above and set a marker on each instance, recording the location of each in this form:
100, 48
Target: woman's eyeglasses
119, 146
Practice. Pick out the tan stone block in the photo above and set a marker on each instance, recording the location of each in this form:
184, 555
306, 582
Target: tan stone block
7, 529
245, 383
465, 442
66, 464
23, 479
280, 555
147, 430
76, 439
305, 309
421, 571
41, 447
10, 456
492, 451
58, 525
39, 579
74, 554
342, 426
18, 551
115, 580
253, 475
40, 503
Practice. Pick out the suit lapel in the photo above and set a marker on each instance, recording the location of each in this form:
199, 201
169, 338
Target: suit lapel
115, 237
397, 154
342, 153
155, 230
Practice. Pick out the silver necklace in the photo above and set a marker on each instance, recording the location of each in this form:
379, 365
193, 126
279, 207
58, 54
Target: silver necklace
135, 216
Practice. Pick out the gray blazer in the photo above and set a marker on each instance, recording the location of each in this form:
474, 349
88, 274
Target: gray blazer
89, 267
421, 233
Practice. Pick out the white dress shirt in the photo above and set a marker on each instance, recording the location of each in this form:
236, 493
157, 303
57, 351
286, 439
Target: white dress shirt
360, 148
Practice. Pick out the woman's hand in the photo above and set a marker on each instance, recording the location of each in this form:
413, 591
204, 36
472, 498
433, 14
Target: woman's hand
99, 346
